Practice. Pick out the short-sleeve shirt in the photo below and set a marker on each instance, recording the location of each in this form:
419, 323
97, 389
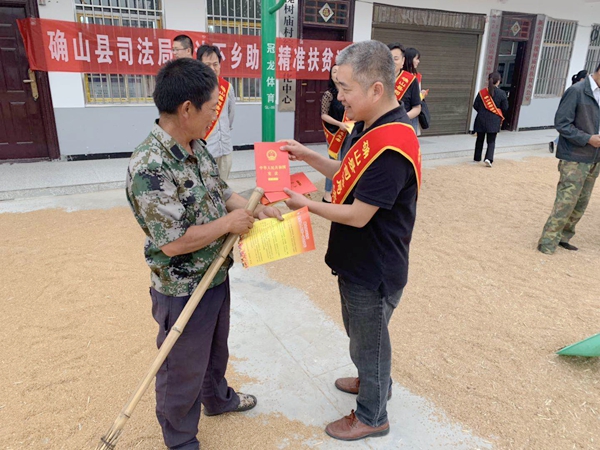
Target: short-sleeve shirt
412, 97
169, 191
376, 256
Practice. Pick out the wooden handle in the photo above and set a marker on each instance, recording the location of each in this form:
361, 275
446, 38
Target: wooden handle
176, 330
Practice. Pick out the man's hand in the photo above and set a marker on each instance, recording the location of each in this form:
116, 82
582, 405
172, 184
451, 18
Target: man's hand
269, 212
239, 221
424, 93
296, 151
296, 201
595, 140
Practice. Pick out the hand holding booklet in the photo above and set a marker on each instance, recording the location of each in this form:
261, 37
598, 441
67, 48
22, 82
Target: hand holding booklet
271, 239
273, 173
300, 184
272, 167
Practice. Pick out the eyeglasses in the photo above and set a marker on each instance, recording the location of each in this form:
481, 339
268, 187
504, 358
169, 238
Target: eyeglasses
175, 50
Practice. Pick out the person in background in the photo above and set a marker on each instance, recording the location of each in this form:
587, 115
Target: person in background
183, 47
407, 86
416, 61
412, 59
579, 76
412, 99
332, 115
218, 138
578, 122
491, 104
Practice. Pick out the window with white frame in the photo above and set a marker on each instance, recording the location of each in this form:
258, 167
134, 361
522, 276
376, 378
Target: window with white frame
119, 89
555, 58
237, 17
593, 54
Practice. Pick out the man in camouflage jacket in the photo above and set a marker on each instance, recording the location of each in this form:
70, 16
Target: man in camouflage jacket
578, 122
186, 212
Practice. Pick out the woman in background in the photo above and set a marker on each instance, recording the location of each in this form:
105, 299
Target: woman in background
414, 55
412, 97
332, 115
416, 60
491, 104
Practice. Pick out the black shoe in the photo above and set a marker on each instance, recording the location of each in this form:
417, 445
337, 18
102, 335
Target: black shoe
325, 201
568, 246
551, 146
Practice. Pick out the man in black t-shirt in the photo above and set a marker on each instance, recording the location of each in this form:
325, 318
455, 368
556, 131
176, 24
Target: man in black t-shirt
410, 97
372, 214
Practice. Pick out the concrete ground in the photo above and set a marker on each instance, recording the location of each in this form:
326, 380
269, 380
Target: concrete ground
295, 352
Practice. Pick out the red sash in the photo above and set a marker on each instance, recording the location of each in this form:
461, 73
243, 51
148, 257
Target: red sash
335, 141
395, 136
489, 104
403, 82
224, 87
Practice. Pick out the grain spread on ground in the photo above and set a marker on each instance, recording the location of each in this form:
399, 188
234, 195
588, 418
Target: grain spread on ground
475, 332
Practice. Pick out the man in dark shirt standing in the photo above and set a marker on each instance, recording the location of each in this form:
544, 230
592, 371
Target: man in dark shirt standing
372, 212
408, 91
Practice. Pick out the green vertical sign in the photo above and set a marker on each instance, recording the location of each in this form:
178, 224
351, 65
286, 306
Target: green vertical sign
269, 31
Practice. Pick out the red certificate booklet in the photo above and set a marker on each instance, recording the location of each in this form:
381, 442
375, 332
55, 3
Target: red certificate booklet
300, 184
272, 167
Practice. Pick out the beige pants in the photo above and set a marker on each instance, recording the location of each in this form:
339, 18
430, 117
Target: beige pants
224, 163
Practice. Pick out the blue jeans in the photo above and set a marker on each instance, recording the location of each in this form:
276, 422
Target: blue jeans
366, 316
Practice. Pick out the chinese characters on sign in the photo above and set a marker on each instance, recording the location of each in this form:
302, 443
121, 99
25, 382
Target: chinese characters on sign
288, 28
61, 46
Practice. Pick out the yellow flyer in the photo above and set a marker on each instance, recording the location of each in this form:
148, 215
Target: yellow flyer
271, 239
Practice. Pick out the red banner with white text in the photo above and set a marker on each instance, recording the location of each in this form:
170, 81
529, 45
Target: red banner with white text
60, 46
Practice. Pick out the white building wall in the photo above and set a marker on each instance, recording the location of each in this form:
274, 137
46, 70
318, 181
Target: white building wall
66, 88
82, 128
541, 110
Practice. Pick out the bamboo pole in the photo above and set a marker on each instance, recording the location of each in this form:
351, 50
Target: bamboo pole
109, 440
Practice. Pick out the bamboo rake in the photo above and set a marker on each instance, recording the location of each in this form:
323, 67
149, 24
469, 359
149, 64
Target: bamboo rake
109, 440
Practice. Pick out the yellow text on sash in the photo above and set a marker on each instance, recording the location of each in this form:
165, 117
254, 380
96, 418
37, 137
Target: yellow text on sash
397, 137
224, 87
403, 82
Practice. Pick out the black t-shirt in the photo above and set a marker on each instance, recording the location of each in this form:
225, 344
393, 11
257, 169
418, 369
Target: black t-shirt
412, 96
376, 256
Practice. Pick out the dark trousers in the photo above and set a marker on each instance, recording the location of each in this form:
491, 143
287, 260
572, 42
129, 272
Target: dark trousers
366, 316
194, 371
491, 146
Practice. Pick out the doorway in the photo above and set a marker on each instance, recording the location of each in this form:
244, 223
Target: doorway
512, 55
27, 128
308, 127
511, 58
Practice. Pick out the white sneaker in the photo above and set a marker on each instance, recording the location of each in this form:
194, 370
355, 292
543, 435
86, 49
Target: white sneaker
488, 163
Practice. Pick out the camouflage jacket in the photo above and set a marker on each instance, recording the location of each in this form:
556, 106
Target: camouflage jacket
169, 191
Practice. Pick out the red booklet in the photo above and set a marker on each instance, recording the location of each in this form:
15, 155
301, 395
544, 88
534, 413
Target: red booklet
272, 167
300, 184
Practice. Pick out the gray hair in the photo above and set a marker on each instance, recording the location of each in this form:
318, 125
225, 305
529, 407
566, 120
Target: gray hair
371, 61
